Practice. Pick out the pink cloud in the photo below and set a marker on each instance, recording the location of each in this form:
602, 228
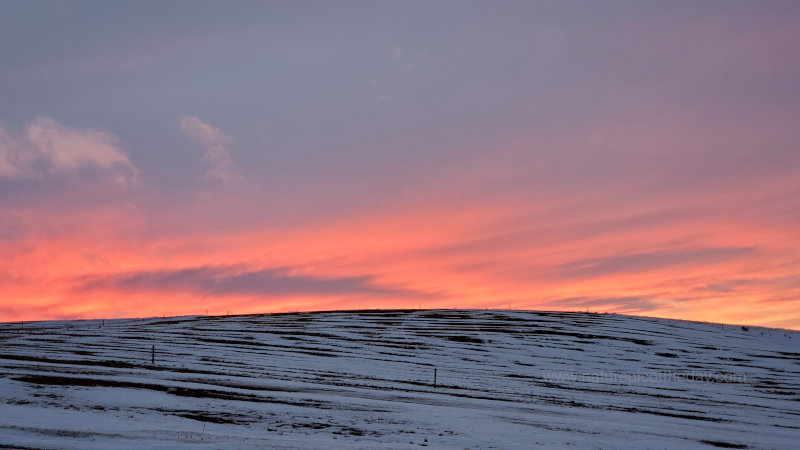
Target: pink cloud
48, 147
217, 145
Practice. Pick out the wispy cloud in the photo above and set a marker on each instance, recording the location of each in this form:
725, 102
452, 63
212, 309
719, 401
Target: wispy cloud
629, 304
217, 145
276, 282
50, 148
642, 262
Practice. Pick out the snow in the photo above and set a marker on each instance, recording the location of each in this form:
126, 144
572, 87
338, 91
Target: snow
362, 379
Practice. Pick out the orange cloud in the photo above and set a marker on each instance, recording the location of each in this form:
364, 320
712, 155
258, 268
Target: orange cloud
431, 258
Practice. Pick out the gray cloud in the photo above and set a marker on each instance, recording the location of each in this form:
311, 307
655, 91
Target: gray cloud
632, 304
536, 230
642, 262
779, 284
234, 281
728, 285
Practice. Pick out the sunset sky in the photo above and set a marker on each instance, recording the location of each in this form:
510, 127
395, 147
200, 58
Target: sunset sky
187, 157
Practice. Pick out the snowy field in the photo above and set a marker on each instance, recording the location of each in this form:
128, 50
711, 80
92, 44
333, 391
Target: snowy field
365, 379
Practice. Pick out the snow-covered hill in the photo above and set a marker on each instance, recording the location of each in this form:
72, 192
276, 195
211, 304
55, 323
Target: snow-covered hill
504, 379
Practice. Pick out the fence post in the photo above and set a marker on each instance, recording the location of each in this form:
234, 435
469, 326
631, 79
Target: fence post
434, 377
153, 356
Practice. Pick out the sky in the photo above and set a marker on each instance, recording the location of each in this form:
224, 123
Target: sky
191, 157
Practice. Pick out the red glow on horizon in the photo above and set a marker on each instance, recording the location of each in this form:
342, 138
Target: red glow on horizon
426, 258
